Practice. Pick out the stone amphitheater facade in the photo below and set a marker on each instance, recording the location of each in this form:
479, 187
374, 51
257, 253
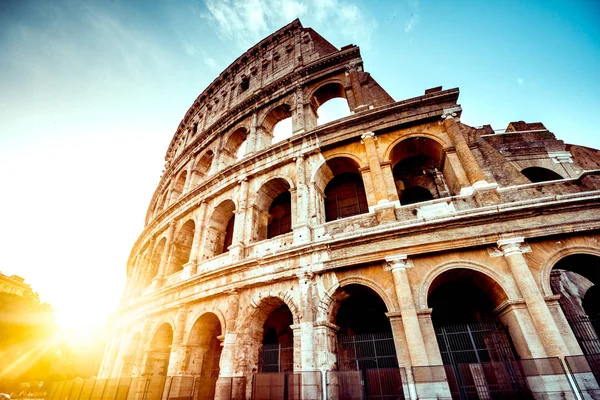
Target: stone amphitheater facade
369, 223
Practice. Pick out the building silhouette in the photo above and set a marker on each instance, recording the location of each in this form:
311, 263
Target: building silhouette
395, 251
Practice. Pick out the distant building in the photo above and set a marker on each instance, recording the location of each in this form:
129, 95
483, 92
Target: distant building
14, 284
392, 253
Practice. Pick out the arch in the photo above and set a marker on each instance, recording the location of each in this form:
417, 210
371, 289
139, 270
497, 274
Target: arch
273, 193
203, 347
233, 149
202, 166
344, 192
217, 313
417, 165
253, 335
388, 152
179, 186
492, 292
327, 93
425, 286
219, 229
330, 303
551, 261
157, 362
540, 174
275, 115
157, 253
182, 246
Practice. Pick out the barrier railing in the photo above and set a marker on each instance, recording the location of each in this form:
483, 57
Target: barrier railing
376, 384
533, 378
148, 388
585, 374
305, 385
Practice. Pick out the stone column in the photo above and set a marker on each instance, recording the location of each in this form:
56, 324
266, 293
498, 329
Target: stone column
164, 259
465, 155
412, 330
300, 219
252, 139
540, 314
188, 176
197, 241
228, 355
307, 310
352, 72
236, 250
176, 356
379, 188
298, 121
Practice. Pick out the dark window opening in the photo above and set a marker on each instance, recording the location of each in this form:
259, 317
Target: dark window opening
345, 197
245, 84
228, 234
281, 215
415, 194
539, 174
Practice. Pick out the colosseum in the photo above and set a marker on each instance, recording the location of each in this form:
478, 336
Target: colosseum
392, 253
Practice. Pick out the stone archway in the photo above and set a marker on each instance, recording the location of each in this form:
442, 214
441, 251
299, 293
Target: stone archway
576, 278
472, 336
157, 360
417, 167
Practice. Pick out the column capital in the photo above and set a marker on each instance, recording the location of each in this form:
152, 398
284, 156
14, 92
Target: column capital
399, 261
512, 245
367, 135
304, 276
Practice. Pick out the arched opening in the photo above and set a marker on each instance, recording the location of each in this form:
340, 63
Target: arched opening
277, 350
476, 347
129, 357
157, 362
219, 231
278, 123
203, 354
575, 278
417, 165
235, 148
155, 260
345, 192
273, 210
329, 103
365, 344
539, 174
178, 188
182, 247
161, 203
202, 167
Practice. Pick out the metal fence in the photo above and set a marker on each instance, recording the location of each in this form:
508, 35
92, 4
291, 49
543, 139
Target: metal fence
367, 384
585, 376
305, 385
149, 388
536, 379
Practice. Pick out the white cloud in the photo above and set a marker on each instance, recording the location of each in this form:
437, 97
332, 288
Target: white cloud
245, 22
410, 24
413, 20
189, 48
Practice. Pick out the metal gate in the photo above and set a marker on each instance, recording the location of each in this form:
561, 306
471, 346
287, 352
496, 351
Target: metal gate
479, 360
373, 355
587, 331
276, 358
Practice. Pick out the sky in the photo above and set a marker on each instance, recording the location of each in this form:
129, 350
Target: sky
91, 93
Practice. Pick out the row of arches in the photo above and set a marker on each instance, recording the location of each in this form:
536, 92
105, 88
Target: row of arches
328, 99
469, 323
419, 172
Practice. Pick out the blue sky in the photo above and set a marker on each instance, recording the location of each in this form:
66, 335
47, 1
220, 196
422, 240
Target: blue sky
91, 93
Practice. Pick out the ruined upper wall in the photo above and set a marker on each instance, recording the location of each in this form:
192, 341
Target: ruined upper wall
283, 52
